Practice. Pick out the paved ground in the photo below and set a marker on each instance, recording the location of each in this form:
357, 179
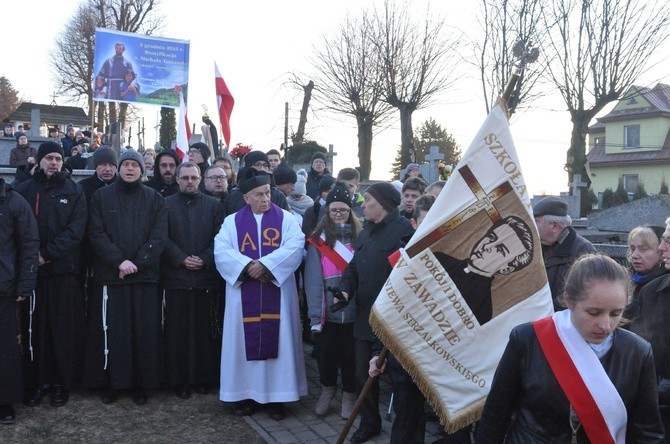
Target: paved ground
303, 426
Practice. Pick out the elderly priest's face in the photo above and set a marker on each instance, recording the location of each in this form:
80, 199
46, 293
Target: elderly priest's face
258, 199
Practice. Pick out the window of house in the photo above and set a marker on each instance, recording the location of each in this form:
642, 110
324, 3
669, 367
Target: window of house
630, 182
631, 136
599, 141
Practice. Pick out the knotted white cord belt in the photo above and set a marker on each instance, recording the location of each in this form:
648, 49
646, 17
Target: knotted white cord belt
104, 321
32, 301
163, 312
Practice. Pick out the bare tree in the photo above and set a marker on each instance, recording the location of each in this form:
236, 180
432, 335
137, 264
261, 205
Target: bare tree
506, 23
72, 58
299, 135
598, 48
414, 56
348, 81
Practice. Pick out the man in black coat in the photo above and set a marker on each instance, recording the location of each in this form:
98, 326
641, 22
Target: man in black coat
127, 232
164, 179
19, 250
191, 283
257, 160
57, 312
104, 162
385, 231
561, 244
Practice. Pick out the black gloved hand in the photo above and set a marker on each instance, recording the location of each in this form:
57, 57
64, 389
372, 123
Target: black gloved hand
340, 301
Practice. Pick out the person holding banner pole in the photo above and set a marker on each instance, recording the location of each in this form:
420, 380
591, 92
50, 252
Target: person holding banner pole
329, 252
575, 377
384, 233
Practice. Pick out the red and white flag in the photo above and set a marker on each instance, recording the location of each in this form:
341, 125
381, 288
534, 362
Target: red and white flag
183, 130
226, 102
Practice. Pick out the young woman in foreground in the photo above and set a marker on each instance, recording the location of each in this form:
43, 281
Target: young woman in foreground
575, 377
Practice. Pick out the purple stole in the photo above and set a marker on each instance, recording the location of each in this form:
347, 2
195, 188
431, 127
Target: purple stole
260, 301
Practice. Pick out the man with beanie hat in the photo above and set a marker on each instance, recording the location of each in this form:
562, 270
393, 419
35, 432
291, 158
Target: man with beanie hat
561, 244
385, 231
57, 320
257, 252
164, 177
258, 161
285, 178
317, 171
199, 154
127, 233
104, 162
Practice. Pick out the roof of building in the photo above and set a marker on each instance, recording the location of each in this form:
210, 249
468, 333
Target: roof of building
61, 115
599, 158
657, 97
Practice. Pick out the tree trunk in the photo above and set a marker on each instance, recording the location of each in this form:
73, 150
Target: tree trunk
123, 112
407, 150
364, 145
100, 119
576, 157
299, 136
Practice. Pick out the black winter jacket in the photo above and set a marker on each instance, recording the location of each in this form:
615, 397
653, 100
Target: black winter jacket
558, 259
159, 185
653, 321
193, 221
364, 278
128, 221
525, 388
59, 206
312, 184
19, 244
92, 184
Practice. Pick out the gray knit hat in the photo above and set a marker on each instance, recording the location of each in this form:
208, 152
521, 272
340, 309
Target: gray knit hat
104, 154
131, 155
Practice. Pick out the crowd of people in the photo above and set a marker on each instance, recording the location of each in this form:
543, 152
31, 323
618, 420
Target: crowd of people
205, 277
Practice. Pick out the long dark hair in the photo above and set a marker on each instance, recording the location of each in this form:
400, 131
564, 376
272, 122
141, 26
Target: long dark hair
327, 226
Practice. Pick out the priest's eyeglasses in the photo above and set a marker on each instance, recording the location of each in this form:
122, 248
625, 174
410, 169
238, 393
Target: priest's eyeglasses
338, 211
665, 240
217, 178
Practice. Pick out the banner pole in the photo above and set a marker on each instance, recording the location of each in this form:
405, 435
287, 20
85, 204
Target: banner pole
381, 360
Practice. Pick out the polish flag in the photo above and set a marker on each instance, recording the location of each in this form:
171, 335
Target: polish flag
226, 102
183, 130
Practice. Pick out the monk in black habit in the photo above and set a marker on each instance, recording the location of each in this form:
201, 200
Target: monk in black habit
127, 234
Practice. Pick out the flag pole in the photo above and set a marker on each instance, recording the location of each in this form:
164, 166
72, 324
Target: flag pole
381, 360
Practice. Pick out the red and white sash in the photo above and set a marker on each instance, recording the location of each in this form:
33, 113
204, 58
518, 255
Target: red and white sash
583, 379
339, 255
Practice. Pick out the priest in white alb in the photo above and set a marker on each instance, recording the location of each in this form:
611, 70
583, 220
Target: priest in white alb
257, 252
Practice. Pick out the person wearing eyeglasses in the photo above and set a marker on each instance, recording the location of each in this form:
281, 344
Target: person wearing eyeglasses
164, 173
561, 244
216, 183
189, 277
329, 251
199, 154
